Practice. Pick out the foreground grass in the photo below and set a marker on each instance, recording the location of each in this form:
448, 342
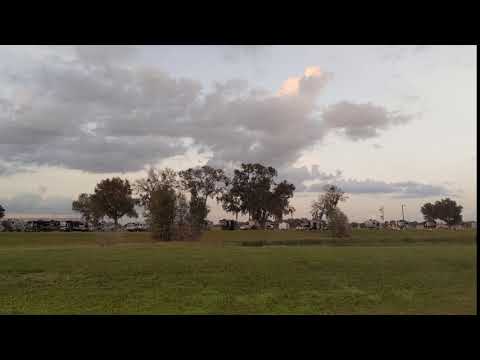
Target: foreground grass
71, 274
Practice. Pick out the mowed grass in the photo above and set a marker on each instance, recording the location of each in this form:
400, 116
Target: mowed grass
74, 273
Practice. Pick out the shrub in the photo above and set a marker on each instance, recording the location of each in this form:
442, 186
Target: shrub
338, 224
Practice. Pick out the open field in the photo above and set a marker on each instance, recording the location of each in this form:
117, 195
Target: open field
375, 272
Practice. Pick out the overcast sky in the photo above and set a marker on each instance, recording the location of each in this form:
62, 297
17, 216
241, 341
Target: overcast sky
391, 125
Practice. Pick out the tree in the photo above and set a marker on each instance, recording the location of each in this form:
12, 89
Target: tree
448, 211
113, 198
255, 192
428, 211
338, 223
85, 205
2, 212
444, 209
145, 187
162, 212
327, 202
203, 182
280, 200
197, 216
182, 226
231, 203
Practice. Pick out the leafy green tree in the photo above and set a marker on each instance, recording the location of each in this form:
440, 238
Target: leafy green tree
446, 210
231, 203
197, 216
253, 187
203, 182
88, 209
2, 212
327, 202
161, 207
280, 200
113, 198
145, 187
428, 211
338, 223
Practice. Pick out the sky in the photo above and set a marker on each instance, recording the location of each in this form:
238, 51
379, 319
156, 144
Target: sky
390, 124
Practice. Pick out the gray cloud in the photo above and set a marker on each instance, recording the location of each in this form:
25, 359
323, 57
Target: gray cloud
361, 121
234, 53
407, 189
104, 54
97, 115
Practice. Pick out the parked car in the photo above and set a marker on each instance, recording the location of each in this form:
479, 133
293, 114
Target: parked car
72, 225
283, 226
135, 227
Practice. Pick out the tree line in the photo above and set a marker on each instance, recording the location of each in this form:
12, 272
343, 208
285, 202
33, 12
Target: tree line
252, 190
175, 203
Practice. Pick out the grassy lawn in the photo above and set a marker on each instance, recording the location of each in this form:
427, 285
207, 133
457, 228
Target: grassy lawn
375, 272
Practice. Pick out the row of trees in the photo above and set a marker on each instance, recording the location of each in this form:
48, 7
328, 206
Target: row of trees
252, 191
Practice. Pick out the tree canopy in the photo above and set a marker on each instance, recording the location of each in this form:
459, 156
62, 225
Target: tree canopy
327, 202
89, 210
113, 198
446, 210
2, 212
254, 192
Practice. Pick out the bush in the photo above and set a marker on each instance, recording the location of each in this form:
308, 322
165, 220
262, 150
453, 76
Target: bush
338, 224
162, 213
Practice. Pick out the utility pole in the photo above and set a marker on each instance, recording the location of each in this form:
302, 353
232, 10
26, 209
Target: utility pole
403, 215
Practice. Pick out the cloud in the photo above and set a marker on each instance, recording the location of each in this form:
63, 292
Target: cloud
234, 53
406, 189
312, 81
377, 146
361, 121
104, 54
34, 203
98, 115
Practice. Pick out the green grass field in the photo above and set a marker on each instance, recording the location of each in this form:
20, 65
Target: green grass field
374, 272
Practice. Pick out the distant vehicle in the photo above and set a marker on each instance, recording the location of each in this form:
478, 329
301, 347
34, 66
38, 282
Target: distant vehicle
42, 225
303, 227
283, 226
251, 225
110, 226
72, 225
372, 224
135, 227
228, 224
